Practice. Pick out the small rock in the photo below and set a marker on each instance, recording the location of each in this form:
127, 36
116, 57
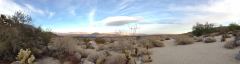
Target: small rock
237, 57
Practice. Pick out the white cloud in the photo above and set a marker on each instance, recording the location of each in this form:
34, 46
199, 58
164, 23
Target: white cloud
9, 7
120, 20
217, 12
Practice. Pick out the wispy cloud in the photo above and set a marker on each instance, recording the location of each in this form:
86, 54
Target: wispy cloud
10, 6
91, 17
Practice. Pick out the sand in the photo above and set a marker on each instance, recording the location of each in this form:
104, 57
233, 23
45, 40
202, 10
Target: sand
197, 53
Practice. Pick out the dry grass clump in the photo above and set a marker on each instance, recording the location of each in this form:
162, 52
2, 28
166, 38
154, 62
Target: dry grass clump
229, 44
65, 48
184, 40
198, 39
147, 43
209, 40
119, 46
63, 43
143, 51
158, 43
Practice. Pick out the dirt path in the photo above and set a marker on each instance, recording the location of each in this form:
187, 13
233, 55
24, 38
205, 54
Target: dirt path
197, 53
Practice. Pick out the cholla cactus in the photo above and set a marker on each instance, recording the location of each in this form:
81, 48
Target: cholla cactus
25, 57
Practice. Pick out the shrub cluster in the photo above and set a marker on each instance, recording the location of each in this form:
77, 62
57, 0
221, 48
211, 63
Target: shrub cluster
17, 33
202, 29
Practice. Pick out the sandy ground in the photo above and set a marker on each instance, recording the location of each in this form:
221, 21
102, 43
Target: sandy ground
197, 53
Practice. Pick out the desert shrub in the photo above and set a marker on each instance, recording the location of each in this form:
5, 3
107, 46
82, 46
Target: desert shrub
229, 44
146, 43
209, 40
143, 51
167, 38
146, 58
183, 40
86, 52
198, 39
86, 40
16, 33
100, 41
202, 29
98, 57
119, 46
157, 43
115, 58
25, 57
233, 27
62, 46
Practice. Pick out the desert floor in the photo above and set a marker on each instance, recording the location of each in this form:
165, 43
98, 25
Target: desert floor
197, 53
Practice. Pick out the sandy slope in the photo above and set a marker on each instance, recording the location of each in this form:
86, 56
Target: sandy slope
197, 53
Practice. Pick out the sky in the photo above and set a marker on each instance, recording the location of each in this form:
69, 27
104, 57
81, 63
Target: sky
110, 16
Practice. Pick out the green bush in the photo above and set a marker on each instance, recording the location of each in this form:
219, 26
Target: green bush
202, 29
233, 27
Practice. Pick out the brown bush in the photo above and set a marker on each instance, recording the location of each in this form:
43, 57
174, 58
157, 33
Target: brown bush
184, 40
167, 38
209, 40
100, 41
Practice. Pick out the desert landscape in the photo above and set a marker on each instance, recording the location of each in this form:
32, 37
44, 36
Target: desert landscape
119, 32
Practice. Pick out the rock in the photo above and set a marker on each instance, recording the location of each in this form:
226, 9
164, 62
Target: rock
237, 57
209, 40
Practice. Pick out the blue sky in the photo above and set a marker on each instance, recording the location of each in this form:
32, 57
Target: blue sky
107, 16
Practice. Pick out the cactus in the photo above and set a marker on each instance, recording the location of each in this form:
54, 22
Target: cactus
25, 57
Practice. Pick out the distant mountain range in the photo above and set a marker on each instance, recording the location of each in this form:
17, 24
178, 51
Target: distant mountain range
85, 34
